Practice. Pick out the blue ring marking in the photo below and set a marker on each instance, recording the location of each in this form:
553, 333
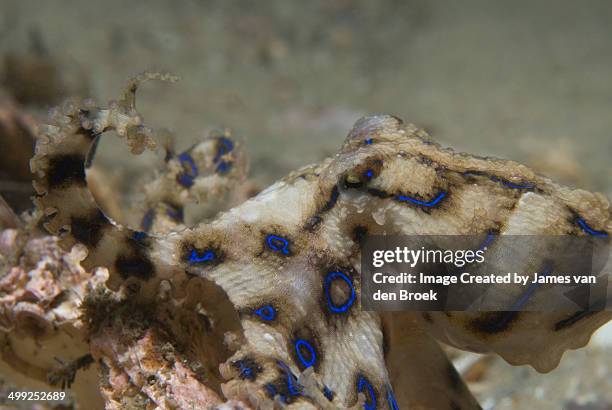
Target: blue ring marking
585, 227
191, 169
488, 240
511, 184
327, 286
175, 213
364, 384
272, 242
473, 173
328, 393
272, 392
368, 141
301, 343
205, 256
223, 167
391, 399
369, 173
225, 145
295, 389
266, 312
518, 305
147, 220
138, 235
333, 198
433, 202
185, 180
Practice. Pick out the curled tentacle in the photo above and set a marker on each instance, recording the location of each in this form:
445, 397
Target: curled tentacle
204, 173
62, 151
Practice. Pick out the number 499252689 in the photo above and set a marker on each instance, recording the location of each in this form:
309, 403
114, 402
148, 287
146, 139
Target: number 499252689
37, 395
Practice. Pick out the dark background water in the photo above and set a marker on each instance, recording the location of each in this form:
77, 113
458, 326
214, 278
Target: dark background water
526, 80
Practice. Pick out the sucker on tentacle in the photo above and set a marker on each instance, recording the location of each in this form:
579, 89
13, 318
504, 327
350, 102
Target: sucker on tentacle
289, 258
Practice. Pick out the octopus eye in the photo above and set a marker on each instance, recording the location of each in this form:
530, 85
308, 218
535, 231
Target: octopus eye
267, 313
344, 306
201, 257
278, 244
305, 352
365, 387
